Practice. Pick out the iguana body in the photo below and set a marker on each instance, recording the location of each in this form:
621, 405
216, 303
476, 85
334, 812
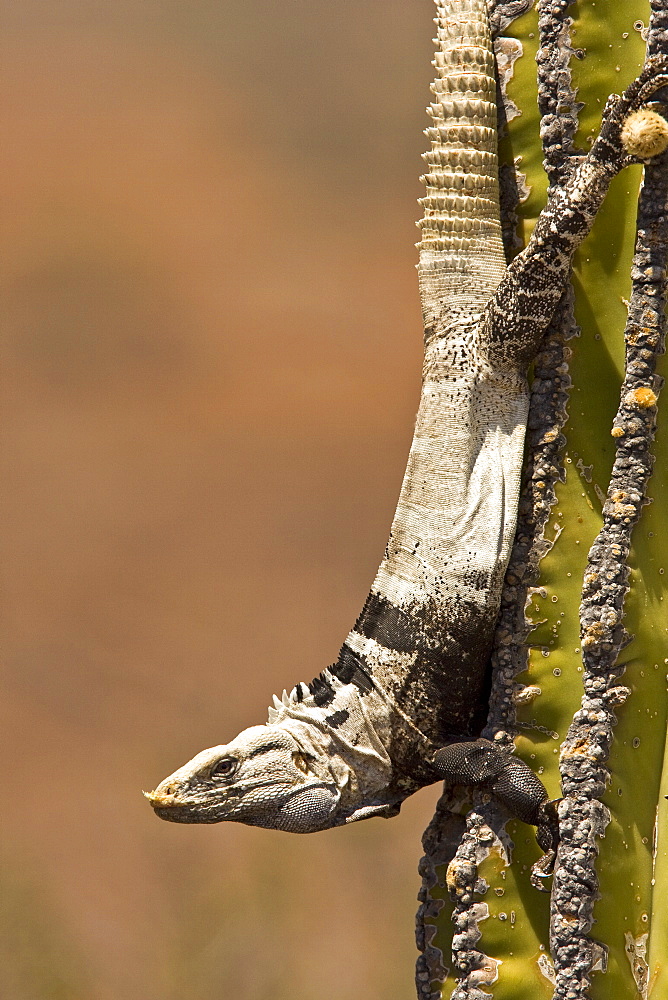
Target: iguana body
405, 701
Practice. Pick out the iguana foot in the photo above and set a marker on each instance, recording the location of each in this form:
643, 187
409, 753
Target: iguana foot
512, 782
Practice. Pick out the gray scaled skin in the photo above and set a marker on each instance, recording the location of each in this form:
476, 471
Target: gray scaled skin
403, 705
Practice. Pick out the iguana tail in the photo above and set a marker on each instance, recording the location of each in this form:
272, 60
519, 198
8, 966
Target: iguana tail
461, 249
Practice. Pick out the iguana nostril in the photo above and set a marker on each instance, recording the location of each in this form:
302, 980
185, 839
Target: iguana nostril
162, 795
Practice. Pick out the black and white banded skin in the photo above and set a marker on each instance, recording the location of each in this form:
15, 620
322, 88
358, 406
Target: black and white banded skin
404, 704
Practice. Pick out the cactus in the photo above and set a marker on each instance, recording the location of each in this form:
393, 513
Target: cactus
504, 930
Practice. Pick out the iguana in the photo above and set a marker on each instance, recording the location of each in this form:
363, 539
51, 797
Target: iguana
405, 702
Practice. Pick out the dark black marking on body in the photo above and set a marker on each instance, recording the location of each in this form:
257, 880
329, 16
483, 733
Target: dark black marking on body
337, 718
350, 669
321, 690
388, 625
445, 690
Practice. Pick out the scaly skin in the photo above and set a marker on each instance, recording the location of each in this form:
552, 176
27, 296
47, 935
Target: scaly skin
404, 703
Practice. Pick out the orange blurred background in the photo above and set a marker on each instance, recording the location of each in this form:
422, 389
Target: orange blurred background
210, 371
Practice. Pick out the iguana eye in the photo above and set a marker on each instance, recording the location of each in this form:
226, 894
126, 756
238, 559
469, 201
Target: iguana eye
301, 762
225, 767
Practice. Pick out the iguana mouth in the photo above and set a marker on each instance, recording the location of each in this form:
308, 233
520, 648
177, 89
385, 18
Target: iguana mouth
166, 803
158, 798
184, 814
169, 805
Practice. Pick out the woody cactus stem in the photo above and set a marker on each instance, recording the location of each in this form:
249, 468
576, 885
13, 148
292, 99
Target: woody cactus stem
557, 100
586, 748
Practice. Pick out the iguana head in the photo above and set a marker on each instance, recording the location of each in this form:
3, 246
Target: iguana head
264, 777
311, 767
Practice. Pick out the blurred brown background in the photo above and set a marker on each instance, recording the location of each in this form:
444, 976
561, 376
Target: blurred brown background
210, 369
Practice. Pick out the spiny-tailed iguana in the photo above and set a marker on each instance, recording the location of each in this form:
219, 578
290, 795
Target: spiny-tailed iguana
404, 704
